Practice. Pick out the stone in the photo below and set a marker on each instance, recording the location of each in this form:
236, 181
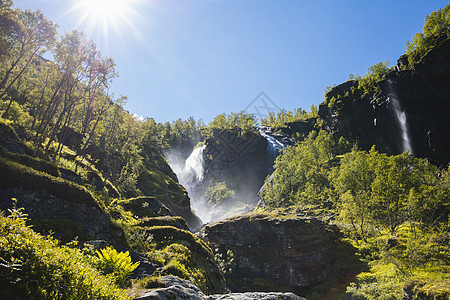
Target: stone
256, 296
270, 253
175, 288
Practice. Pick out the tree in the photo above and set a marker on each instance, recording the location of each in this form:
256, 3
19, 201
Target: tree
301, 173
435, 29
33, 36
354, 186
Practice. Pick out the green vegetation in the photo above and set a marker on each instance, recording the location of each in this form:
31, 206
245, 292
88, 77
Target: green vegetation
118, 264
14, 174
180, 253
32, 266
393, 209
282, 117
218, 192
435, 31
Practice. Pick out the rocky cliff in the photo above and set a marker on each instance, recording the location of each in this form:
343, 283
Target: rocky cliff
423, 95
265, 253
239, 158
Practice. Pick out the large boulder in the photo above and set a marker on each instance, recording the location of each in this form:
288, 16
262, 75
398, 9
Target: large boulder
265, 253
174, 288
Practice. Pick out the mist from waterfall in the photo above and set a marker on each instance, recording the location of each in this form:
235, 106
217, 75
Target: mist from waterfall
190, 173
400, 117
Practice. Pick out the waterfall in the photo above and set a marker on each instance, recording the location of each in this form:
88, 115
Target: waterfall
274, 147
194, 164
400, 116
190, 173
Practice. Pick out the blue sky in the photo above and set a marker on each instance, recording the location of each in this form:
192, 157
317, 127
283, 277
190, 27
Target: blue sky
181, 58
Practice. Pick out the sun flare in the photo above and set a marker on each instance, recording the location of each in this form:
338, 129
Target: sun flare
104, 9
106, 16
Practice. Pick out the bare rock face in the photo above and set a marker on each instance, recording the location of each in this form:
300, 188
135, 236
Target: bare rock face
265, 253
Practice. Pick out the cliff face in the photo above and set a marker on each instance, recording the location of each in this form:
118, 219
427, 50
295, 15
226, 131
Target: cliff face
238, 158
239, 161
423, 95
264, 253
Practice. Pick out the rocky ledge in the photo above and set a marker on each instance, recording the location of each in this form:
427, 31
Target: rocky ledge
264, 253
175, 288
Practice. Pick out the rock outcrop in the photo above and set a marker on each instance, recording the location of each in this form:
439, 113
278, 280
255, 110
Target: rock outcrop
423, 94
174, 288
85, 221
265, 253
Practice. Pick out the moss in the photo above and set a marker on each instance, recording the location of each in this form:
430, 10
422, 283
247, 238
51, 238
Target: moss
149, 282
176, 221
32, 162
179, 260
13, 174
169, 234
143, 206
65, 230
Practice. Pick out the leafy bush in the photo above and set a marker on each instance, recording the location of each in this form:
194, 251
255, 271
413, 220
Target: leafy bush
116, 263
218, 193
34, 267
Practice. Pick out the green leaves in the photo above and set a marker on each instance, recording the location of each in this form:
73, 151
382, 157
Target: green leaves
435, 30
116, 263
302, 173
34, 267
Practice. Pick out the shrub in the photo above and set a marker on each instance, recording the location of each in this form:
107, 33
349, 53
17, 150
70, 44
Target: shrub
35, 267
116, 263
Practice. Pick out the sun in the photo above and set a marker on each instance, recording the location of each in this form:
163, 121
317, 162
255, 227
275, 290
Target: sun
106, 16
104, 10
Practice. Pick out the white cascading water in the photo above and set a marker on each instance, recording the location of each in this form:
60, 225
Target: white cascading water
190, 173
400, 118
194, 164
273, 149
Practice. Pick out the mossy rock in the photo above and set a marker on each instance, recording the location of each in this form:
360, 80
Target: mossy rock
175, 221
32, 162
65, 230
13, 174
168, 234
145, 207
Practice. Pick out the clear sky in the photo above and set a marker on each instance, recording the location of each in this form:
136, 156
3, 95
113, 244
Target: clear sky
181, 58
